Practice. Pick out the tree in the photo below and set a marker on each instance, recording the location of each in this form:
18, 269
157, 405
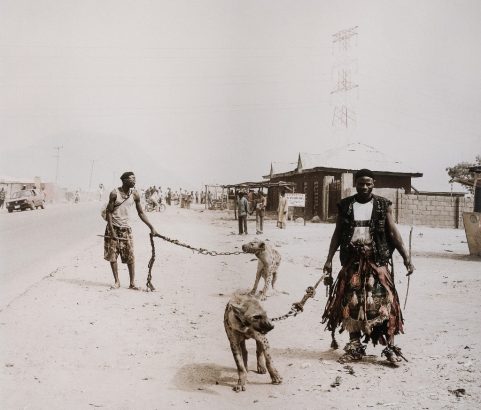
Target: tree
460, 173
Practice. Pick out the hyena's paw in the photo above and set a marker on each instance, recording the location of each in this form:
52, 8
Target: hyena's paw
261, 369
276, 378
263, 296
239, 387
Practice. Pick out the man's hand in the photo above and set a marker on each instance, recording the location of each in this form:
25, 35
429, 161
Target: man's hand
113, 236
328, 281
328, 267
409, 266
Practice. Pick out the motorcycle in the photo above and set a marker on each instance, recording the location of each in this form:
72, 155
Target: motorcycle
152, 206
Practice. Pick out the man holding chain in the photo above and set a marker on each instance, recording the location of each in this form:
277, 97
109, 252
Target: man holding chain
118, 233
364, 300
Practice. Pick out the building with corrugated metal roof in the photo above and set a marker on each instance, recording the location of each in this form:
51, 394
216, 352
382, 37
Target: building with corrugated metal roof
326, 178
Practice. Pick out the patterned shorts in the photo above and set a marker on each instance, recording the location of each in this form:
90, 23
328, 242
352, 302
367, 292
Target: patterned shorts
123, 247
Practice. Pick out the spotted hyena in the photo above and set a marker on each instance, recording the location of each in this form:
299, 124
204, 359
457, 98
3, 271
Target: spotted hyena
269, 261
244, 318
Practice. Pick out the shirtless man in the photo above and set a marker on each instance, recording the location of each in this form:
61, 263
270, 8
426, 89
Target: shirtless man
118, 233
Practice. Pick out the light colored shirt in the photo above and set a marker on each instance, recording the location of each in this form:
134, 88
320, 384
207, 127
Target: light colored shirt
362, 218
242, 206
121, 213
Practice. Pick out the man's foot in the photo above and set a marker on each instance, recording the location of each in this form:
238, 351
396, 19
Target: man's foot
390, 354
355, 351
116, 285
133, 287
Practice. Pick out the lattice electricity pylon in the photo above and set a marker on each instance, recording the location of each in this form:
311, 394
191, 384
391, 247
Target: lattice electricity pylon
344, 82
343, 37
343, 116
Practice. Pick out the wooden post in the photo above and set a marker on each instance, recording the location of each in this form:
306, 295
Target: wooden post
456, 213
205, 198
235, 203
397, 206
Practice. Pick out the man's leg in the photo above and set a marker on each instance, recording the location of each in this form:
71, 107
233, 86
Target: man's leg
354, 350
240, 224
245, 224
131, 267
355, 336
115, 271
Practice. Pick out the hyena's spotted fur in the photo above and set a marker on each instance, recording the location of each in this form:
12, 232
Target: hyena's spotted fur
267, 266
244, 318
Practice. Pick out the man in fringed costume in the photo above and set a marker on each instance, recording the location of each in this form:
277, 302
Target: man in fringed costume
364, 300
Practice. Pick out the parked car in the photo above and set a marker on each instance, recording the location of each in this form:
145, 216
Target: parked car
26, 199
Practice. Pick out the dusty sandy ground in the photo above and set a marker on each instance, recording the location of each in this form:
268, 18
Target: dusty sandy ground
71, 343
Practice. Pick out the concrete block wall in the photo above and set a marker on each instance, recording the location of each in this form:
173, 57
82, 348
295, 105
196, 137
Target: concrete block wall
428, 210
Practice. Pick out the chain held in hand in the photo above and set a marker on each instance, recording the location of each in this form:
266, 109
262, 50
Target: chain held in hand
202, 251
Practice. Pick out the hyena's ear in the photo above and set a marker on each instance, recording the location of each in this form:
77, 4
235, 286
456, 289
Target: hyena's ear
262, 245
239, 314
237, 309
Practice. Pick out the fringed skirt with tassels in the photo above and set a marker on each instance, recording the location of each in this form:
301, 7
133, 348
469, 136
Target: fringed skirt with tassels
364, 299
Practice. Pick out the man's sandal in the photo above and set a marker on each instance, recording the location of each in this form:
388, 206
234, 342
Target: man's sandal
355, 351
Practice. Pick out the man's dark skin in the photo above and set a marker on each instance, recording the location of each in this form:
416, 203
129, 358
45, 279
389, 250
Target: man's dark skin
127, 185
364, 187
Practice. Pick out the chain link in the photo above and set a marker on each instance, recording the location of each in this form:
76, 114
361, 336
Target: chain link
202, 251
296, 307
150, 265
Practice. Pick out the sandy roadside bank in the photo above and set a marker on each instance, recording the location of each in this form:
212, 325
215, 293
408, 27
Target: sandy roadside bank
71, 343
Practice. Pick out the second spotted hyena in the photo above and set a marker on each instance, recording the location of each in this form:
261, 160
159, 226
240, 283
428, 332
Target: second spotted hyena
269, 260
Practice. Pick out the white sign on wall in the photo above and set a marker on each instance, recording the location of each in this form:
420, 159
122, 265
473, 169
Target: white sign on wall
294, 199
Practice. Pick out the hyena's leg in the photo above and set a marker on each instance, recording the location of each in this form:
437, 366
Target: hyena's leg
274, 278
258, 277
275, 376
261, 361
267, 274
244, 353
241, 370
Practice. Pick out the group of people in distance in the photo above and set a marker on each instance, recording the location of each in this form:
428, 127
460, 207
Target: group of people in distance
248, 204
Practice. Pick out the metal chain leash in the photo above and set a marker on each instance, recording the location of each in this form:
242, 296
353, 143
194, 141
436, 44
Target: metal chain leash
202, 251
177, 242
298, 307
150, 265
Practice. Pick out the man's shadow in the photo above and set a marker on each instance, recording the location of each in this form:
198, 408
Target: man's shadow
83, 282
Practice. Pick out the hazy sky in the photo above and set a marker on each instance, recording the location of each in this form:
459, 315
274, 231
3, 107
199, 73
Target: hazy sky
191, 92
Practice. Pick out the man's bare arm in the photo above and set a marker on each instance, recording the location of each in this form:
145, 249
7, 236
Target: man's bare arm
397, 241
335, 242
108, 213
141, 213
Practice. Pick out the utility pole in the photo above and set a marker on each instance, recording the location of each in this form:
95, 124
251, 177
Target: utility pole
344, 113
58, 148
91, 173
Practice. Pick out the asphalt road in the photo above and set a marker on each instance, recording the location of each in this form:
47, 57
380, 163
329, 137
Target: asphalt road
34, 243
